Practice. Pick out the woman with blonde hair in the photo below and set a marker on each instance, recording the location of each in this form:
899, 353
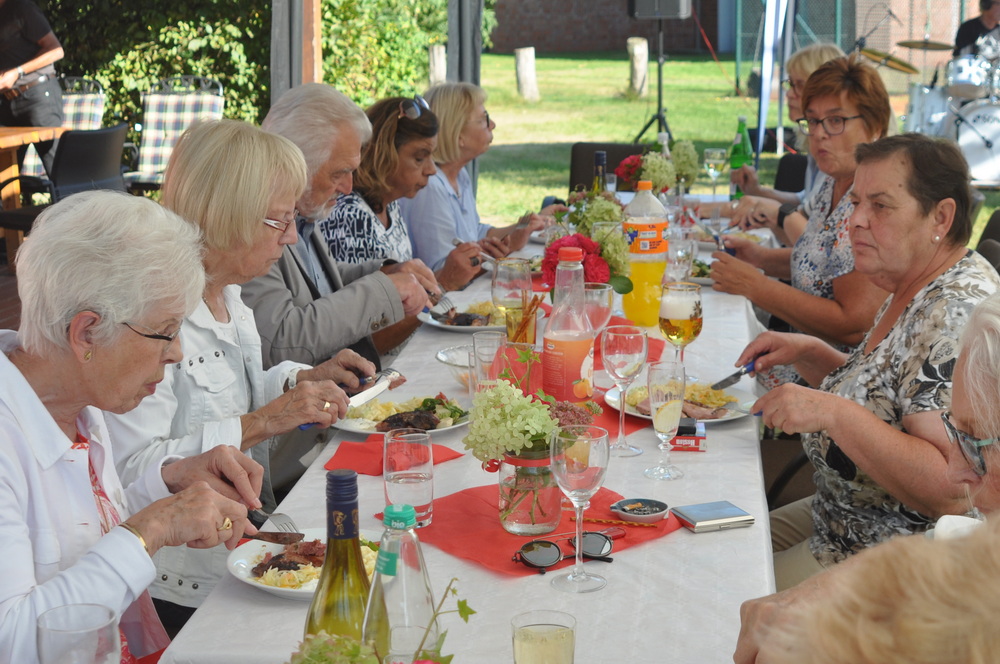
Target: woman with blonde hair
238, 184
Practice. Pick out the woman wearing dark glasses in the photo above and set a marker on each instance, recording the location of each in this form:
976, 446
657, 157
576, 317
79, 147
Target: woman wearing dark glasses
940, 594
395, 164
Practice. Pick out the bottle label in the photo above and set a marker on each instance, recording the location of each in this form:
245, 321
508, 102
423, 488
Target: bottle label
342, 524
646, 237
568, 368
385, 563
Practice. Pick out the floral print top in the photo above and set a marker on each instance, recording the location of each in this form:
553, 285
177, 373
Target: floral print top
907, 372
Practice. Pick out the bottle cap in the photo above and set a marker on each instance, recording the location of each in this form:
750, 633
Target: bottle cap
644, 185
741, 118
399, 517
570, 254
600, 157
342, 486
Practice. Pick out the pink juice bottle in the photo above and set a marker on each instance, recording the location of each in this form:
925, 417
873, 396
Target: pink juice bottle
568, 353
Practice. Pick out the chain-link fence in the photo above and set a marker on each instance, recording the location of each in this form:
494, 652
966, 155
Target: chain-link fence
880, 24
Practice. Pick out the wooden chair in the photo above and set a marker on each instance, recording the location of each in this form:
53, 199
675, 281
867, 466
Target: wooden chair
581, 161
168, 109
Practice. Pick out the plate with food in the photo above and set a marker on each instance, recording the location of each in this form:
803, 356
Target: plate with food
428, 413
700, 271
476, 317
700, 402
707, 243
290, 570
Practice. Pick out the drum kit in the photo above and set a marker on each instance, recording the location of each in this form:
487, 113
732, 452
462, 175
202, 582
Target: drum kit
965, 109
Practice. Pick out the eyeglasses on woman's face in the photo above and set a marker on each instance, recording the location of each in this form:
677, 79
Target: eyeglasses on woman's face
413, 108
970, 445
792, 86
151, 333
833, 125
281, 224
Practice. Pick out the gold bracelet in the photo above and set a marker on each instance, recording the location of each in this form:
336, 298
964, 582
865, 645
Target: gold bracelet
135, 531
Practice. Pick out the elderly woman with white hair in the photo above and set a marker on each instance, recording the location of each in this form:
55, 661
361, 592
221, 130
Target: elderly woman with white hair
105, 280
238, 184
940, 609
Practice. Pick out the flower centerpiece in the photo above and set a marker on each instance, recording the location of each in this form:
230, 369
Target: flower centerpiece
590, 207
685, 158
605, 259
509, 432
665, 172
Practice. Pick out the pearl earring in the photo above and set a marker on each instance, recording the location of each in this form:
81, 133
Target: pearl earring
937, 238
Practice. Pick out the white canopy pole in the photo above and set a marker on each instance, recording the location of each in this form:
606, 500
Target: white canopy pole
774, 21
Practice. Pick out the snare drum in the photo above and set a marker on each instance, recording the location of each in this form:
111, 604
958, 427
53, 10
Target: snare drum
969, 77
981, 124
927, 110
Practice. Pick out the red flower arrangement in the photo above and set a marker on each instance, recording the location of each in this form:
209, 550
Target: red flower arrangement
628, 170
595, 268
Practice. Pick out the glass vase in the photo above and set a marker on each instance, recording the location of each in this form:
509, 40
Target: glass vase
530, 499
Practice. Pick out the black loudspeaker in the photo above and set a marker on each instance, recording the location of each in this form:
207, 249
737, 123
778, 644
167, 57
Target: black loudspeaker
659, 8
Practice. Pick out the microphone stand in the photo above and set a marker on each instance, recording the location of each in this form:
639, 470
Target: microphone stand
863, 40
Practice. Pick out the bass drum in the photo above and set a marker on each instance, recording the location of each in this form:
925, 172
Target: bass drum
979, 140
927, 111
969, 77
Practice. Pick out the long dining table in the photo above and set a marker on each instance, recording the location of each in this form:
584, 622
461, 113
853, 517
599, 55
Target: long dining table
671, 599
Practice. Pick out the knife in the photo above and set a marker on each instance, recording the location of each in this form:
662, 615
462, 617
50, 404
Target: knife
361, 398
734, 378
276, 538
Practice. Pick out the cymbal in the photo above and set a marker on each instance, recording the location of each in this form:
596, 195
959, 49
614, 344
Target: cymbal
926, 45
889, 60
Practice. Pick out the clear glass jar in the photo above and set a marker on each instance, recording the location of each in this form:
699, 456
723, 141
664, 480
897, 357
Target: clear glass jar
530, 499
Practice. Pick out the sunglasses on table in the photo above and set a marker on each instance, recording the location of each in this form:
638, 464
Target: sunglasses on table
972, 447
413, 108
544, 553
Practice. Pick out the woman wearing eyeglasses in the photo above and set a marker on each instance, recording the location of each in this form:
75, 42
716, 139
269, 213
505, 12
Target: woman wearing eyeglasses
873, 427
845, 105
445, 210
395, 164
239, 185
943, 610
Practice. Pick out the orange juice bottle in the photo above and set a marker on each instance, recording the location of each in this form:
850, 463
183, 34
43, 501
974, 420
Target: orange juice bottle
646, 226
568, 353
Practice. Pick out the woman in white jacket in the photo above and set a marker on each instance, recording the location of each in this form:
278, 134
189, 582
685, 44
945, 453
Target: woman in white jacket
239, 185
105, 280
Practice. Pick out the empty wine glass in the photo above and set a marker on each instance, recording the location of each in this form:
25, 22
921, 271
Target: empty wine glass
680, 315
715, 162
579, 456
598, 300
666, 397
680, 257
623, 351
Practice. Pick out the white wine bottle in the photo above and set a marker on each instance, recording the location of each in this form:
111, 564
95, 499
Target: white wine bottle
338, 607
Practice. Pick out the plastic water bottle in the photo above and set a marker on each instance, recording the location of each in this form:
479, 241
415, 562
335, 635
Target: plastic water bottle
568, 354
401, 603
647, 229
739, 154
338, 607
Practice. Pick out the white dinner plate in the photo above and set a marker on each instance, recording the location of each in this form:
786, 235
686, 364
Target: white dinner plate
426, 319
245, 557
537, 237
360, 425
736, 409
701, 281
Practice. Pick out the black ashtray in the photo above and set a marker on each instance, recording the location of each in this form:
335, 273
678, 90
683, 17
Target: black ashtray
640, 510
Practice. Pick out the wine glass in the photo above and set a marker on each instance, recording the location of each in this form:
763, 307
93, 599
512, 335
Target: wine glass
715, 162
680, 257
511, 283
680, 315
623, 351
579, 455
598, 299
666, 397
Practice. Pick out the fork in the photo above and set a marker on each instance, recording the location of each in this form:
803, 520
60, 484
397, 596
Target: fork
280, 521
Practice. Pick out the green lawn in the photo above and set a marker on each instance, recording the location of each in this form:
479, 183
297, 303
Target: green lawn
583, 99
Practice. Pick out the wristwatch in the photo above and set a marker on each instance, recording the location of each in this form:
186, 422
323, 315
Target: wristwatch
784, 211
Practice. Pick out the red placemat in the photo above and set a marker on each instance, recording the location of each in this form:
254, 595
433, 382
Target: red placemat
467, 525
366, 458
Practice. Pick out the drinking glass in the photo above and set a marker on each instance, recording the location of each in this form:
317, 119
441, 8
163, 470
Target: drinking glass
543, 637
680, 315
409, 472
78, 634
601, 230
579, 455
680, 257
485, 346
623, 351
610, 182
666, 397
510, 287
598, 300
715, 162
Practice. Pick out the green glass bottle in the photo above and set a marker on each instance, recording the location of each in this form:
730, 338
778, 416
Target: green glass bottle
739, 154
338, 607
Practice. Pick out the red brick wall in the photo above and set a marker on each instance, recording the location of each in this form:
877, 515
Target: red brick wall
564, 26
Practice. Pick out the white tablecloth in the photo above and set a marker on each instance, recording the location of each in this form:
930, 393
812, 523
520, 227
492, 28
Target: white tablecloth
674, 599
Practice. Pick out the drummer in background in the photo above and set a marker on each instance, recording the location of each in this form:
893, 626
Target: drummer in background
987, 23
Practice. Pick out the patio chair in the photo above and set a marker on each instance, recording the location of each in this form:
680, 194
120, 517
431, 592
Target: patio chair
791, 173
990, 250
84, 160
992, 229
581, 160
168, 109
83, 108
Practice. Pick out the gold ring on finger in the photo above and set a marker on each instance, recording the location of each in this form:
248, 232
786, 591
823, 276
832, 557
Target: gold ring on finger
226, 525
326, 405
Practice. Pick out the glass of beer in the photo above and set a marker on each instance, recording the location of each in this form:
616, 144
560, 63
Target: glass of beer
511, 288
680, 315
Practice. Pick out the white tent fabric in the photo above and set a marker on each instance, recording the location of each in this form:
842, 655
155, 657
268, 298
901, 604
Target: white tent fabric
775, 47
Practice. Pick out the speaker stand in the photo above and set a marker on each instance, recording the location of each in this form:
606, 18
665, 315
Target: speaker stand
660, 116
